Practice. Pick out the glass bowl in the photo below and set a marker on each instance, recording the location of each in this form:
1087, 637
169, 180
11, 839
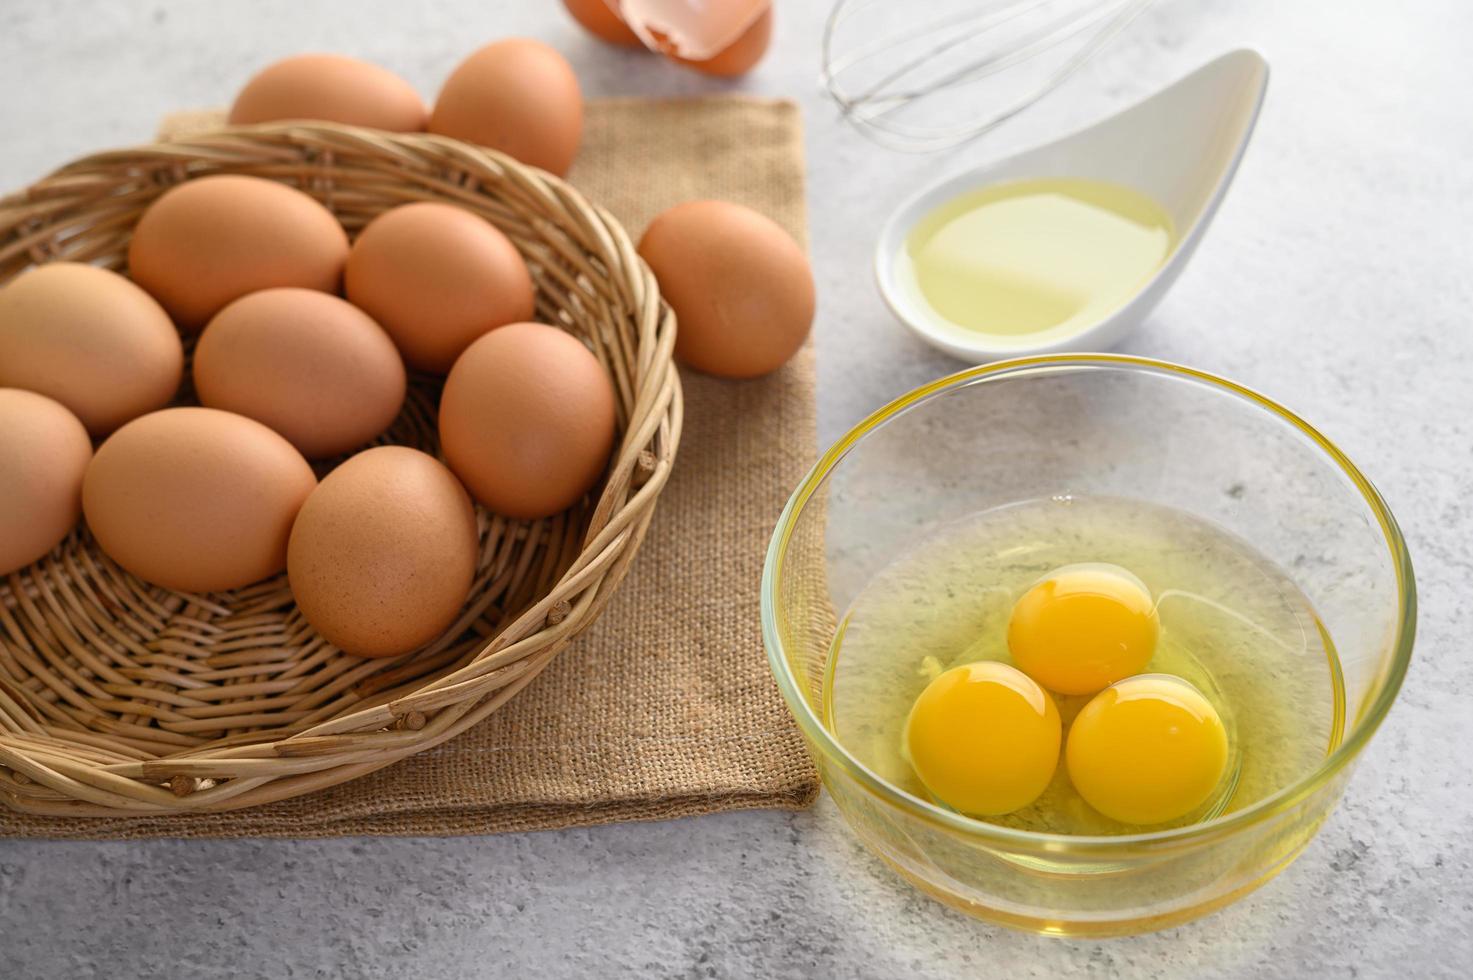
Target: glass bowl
1088, 424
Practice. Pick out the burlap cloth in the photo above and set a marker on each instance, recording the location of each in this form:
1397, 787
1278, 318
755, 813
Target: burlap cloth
665, 707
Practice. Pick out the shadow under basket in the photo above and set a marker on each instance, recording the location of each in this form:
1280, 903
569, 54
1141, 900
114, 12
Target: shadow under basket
118, 697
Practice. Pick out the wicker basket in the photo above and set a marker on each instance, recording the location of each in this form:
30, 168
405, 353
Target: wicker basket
117, 697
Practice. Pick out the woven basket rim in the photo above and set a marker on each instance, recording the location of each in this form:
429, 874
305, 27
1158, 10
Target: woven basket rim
588, 254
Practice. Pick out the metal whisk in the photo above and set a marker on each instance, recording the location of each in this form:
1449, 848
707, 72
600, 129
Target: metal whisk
886, 62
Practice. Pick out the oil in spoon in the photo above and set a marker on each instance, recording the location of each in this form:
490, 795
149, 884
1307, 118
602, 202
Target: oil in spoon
1050, 255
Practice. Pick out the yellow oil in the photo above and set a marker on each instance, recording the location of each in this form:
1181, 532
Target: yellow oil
1036, 257
1232, 623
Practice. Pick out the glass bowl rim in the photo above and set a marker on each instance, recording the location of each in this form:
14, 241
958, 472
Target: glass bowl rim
1285, 799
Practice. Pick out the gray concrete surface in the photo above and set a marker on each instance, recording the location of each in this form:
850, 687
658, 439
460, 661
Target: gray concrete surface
1338, 278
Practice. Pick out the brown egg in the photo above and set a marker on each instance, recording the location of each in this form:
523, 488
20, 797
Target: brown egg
740, 286
599, 19
527, 420
518, 96
333, 88
44, 451
384, 552
214, 239
742, 55
313, 367
196, 499
90, 339
436, 277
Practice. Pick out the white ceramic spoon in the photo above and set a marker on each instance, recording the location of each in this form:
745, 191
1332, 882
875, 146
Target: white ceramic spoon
1181, 147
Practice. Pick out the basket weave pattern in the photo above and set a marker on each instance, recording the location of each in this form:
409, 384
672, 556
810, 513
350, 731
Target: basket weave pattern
117, 697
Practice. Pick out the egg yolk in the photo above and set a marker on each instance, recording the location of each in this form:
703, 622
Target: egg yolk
1083, 628
984, 738
1147, 750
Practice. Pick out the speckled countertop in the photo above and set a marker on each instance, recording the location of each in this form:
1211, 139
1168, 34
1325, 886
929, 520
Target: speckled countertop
1338, 278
